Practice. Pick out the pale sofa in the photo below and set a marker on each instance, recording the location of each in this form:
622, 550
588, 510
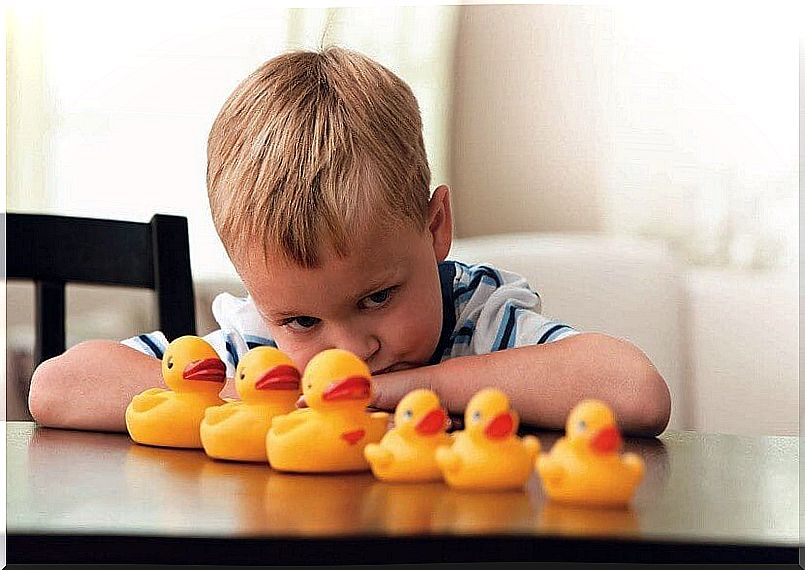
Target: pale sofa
726, 341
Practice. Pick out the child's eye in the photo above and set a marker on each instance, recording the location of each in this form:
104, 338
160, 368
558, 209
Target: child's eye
378, 299
301, 324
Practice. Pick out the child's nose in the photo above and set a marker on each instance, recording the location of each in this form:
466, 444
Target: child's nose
363, 345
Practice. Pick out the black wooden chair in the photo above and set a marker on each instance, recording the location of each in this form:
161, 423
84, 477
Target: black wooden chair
55, 250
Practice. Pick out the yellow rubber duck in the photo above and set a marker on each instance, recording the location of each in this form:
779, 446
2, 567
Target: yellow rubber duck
585, 466
268, 385
488, 455
171, 418
407, 453
332, 432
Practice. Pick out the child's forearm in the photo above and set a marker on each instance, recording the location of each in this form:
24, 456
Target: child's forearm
89, 386
544, 382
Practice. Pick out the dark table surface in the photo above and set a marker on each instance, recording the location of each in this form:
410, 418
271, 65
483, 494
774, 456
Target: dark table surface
79, 497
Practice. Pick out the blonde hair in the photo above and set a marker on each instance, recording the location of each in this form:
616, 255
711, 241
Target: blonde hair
311, 146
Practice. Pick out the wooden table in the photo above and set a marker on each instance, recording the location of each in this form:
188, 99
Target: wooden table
80, 497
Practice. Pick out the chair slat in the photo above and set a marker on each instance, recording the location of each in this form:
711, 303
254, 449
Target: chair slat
83, 250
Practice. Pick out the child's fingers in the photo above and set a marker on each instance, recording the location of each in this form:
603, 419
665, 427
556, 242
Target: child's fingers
389, 389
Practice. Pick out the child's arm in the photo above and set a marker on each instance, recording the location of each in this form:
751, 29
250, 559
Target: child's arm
545, 381
89, 386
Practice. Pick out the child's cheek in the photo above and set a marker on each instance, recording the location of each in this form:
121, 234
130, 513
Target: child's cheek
299, 350
406, 333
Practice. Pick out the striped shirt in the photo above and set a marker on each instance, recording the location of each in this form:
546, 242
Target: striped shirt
485, 309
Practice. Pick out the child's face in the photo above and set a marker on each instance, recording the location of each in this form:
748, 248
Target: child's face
382, 302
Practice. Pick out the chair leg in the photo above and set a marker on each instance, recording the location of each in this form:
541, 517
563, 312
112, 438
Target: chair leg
50, 316
174, 287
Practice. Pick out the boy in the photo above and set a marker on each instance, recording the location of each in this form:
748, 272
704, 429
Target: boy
319, 189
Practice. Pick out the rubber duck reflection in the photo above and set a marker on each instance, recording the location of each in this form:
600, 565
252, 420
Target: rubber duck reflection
319, 504
235, 493
160, 483
561, 518
403, 509
490, 512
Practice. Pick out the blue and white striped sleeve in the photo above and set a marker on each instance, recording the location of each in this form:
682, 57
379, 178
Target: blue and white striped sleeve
509, 315
152, 344
155, 343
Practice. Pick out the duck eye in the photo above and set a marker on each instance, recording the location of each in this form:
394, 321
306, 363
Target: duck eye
170, 362
582, 425
408, 414
476, 416
242, 375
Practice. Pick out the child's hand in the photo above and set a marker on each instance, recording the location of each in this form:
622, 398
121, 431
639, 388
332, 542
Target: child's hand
388, 389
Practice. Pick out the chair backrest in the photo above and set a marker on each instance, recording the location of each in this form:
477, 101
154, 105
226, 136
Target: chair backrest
55, 250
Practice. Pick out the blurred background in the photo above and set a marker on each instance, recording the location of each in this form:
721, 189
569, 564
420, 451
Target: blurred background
638, 164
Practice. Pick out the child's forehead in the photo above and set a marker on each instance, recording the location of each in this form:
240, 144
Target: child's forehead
375, 257
369, 244
364, 260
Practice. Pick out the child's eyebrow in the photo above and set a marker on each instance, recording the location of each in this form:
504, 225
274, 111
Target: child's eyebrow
381, 282
278, 315
272, 315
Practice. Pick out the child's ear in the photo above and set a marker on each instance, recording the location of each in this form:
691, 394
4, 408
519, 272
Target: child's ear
440, 222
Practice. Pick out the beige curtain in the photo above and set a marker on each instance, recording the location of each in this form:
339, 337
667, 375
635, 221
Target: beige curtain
109, 108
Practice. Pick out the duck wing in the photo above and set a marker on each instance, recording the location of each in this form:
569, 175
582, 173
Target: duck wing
217, 414
447, 459
378, 455
285, 423
634, 464
378, 425
550, 469
149, 399
532, 447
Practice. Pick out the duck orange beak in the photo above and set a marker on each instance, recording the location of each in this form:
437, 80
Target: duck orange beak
432, 423
282, 377
606, 440
352, 388
208, 370
500, 427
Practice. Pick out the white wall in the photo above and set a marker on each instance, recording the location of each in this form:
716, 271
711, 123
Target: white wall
527, 141
674, 121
